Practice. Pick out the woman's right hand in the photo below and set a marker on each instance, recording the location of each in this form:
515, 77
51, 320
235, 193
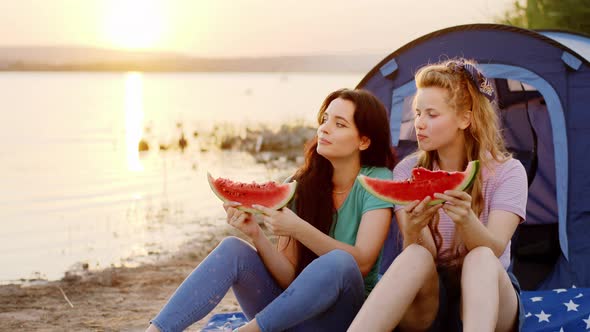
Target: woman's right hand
241, 220
418, 215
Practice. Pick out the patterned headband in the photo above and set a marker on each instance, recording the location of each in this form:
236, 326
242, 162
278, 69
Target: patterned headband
480, 81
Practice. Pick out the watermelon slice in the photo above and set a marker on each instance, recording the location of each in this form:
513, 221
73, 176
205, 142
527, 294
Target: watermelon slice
423, 183
270, 194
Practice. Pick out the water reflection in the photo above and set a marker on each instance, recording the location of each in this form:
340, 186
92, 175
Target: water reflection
133, 119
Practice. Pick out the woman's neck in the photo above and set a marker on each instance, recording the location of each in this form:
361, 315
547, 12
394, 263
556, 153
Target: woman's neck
345, 174
452, 158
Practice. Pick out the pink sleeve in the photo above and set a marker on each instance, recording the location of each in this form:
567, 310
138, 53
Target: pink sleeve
511, 189
403, 171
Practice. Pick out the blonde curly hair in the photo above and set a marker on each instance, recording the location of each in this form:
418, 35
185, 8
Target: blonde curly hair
482, 141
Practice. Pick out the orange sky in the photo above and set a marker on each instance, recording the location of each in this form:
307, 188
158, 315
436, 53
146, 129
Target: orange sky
237, 27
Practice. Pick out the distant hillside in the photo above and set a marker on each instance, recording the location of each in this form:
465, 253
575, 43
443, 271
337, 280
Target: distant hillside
93, 59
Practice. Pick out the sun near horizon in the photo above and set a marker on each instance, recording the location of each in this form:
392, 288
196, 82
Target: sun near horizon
236, 27
135, 24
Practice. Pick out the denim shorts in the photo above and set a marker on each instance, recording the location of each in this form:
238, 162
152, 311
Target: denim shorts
448, 317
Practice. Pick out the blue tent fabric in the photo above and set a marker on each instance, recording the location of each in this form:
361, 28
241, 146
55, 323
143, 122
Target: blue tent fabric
576, 42
557, 122
556, 64
557, 192
557, 113
571, 60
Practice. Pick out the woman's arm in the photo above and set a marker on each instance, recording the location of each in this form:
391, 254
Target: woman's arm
507, 208
370, 238
279, 262
496, 235
413, 222
423, 238
371, 235
413, 218
281, 267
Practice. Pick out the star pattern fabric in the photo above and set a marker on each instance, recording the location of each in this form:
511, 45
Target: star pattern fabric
223, 322
557, 310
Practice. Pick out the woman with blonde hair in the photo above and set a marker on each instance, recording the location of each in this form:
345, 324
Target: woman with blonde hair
452, 272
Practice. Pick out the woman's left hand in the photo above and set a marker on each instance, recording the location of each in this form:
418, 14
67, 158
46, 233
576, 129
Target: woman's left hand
457, 206
283, 222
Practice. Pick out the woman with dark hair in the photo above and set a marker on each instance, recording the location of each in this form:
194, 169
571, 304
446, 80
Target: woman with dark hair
329, 239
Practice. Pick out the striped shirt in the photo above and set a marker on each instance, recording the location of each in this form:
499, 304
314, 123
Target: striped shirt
504, 188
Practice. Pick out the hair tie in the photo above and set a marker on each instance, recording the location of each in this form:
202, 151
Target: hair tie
481, 82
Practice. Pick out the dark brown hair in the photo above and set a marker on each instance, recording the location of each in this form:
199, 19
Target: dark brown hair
314, 189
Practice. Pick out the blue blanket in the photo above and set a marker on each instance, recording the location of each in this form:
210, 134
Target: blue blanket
226, 321
557, 310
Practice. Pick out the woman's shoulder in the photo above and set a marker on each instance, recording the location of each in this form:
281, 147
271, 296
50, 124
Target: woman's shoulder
508, 167
376, 172
406, 164
515, 167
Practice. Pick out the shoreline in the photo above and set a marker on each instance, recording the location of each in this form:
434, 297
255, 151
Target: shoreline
116, 298
125, 298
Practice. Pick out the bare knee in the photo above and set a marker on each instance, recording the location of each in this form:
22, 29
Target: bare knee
422, 258
423, 267
423, 309
415, 260
479, 256
419, 254
480, 265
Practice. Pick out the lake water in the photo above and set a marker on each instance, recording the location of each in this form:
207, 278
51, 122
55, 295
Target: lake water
74, 188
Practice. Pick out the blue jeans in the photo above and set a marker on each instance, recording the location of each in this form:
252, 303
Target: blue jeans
325, 296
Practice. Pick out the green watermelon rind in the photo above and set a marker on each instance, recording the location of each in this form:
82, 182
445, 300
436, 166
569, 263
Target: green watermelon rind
292, 186
471, 170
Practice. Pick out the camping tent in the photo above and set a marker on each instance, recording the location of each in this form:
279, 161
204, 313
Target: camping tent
543, 89
542, 81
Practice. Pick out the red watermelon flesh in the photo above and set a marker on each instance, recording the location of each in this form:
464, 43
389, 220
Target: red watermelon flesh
422, 184
269, 194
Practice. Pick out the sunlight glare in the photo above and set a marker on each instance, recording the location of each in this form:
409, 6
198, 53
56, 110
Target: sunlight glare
135, 24
133, 119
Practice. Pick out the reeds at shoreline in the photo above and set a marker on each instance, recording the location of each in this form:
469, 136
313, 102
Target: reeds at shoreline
267, 144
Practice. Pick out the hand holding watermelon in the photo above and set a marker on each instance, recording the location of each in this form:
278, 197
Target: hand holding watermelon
418, 215
282, 223
241, 220
457, 206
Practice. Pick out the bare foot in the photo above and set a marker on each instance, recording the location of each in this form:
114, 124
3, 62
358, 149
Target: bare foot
152, 328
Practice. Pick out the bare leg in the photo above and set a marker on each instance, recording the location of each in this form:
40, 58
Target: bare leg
489, 302
406, 295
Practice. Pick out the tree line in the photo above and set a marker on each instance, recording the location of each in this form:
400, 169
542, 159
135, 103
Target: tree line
570, 15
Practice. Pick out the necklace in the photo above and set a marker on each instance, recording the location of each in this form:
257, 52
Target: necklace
343, 191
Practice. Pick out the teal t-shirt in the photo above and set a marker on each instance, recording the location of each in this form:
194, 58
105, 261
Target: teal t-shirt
348, 217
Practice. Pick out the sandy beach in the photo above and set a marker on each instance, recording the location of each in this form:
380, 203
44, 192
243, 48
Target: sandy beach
114, 299
78, 192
